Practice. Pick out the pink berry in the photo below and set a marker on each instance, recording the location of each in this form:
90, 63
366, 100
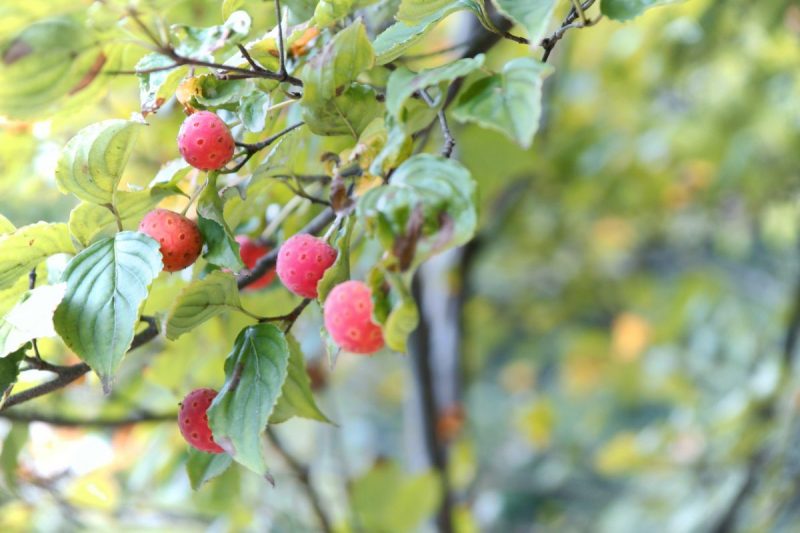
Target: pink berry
302, 261
205, 141
180, 239
193, 420
348, 318
251, 251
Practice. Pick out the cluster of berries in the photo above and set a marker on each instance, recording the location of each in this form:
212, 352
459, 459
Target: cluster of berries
206, 143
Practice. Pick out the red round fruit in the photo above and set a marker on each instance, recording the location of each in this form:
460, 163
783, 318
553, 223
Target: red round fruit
205, 141
193, 420
302, 261
180, 238
251, 251
348, 318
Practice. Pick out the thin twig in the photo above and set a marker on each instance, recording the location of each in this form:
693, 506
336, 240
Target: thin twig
67, 374
252, 149
281, 51
449, 141
301, 471
137, 417
248, 57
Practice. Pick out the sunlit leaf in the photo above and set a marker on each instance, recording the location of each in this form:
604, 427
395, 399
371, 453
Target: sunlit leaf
296, 397
628, 9
31, 318
203, 467
28, 246
92, 162
509, 102
202, 300
106, 285
533, 15
255, 372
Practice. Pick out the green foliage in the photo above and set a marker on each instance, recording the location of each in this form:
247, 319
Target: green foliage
628, 9
202, 467
31, 318
106, 285
28, 246
533, 15
255, 372
428, 207
509, 102
91, 164
637, 234
296, 398
201, 301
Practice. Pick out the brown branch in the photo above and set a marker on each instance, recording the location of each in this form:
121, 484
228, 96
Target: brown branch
449, 141
569, 23
252, 149
67, 374
301, 471
137, 417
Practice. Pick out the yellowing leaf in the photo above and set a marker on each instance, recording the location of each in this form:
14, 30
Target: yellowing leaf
536, 423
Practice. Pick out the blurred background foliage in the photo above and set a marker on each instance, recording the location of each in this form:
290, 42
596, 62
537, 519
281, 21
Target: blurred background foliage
627, 323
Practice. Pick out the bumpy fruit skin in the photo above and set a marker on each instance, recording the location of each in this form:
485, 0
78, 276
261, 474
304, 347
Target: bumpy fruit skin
205, 141
302, 261
348, 318
193, 420
251, 251
180, 238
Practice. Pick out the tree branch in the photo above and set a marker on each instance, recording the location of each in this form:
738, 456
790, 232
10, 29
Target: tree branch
252, 149
67, 374
301, 471
66, 421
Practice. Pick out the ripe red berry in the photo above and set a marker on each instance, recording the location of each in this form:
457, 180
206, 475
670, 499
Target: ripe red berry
348, 318
302, 261
251, 251
181, 241
205, 141
193, 420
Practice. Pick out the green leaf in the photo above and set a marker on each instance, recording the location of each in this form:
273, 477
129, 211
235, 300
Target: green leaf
92, 162
253, 111
9, 369
31, 318
533, 15
339, 271
281, 159
202, 467
444, 192
221, 246
201, 43
296, 398
216, 93
331, 348
330, 11
6, 226
255, 372
403, 83
403, 318
397, 147
347, 55
155, 88
415, 19
45, 64
28, 246
628, 9
301, 9
202, 300
13, 444
509, 102
106, 285
387, 499
229, 6
348, 114
89, 220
